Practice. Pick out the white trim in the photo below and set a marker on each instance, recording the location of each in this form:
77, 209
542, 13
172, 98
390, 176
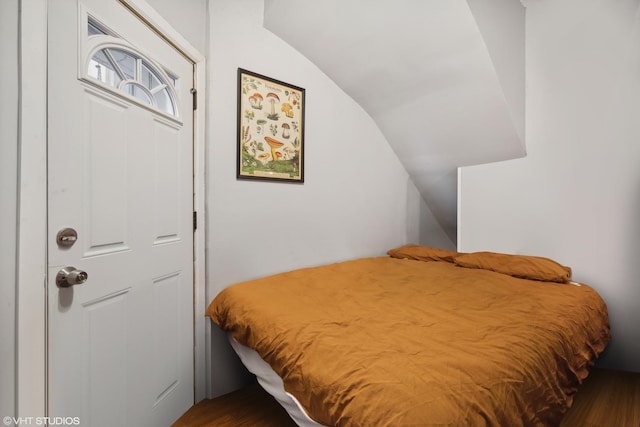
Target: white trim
202, 339
145, 11
32, 211
31, 295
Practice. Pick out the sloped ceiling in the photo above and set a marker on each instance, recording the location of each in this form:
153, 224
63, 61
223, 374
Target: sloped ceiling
443, 79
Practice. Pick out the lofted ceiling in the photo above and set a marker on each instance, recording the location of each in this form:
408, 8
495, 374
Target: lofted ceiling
443, 79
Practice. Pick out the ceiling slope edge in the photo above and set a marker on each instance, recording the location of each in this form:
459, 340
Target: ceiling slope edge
443, 93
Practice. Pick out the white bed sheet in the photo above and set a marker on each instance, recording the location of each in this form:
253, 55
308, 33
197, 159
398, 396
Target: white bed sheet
272, 383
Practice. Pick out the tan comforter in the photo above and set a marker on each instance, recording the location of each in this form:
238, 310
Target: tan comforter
392, 342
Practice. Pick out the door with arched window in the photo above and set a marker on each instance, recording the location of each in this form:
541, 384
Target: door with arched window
120, 254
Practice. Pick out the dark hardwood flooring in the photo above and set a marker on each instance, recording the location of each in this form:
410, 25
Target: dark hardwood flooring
606, 399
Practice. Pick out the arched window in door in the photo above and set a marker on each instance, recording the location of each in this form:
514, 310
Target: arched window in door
120, 67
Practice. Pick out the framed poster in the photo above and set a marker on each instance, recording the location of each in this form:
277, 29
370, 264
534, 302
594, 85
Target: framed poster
270, 129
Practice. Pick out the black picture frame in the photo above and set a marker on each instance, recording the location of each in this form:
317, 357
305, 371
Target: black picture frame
270, 129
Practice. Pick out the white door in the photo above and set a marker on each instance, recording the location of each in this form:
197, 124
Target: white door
120, 173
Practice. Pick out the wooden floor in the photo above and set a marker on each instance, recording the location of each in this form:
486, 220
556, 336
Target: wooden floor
249, 407
606, 399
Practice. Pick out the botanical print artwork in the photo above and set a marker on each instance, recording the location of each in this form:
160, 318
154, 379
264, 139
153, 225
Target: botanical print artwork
270, 128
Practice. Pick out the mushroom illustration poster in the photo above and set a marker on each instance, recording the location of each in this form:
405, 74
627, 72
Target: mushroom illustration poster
270, 129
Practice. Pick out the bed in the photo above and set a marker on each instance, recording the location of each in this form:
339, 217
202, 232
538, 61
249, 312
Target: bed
422, 337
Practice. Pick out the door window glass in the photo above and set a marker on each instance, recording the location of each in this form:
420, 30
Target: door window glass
93, 29
102, 68
138, 91
125, 61
125, 70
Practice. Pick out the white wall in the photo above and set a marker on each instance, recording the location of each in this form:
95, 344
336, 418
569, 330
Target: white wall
501, 23
357, 199
8, 196
188, 17
576, 197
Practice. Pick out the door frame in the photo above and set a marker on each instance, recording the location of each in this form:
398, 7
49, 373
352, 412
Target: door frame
31, 266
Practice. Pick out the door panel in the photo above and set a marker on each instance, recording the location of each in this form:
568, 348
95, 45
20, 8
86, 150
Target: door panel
120, 173
104, 125
104, 333
166, 188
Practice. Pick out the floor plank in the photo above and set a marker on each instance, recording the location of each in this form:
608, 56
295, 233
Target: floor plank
605, 399
248, 407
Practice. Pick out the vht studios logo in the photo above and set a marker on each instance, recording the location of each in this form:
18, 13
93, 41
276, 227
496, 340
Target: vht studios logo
41, 421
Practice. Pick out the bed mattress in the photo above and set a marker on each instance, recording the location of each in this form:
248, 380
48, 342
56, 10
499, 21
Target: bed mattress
387, 342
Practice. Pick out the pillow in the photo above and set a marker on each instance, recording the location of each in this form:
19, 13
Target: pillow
522, 266
422, 253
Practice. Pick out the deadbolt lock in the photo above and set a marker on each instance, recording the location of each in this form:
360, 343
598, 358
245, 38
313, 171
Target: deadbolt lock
66, 237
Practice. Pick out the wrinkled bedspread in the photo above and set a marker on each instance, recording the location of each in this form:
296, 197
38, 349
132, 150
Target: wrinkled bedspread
392, 342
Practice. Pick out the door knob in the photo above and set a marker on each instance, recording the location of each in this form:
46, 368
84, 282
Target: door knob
69, 276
